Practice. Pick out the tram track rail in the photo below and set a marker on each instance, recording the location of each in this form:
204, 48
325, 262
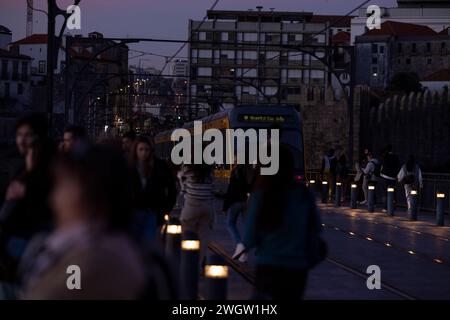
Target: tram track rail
248, 276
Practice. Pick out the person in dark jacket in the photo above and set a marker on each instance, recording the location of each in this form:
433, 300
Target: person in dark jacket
389, 171
25, 211
235, 204
283, 225
153, 184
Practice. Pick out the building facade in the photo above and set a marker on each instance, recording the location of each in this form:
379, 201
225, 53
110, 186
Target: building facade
248, 57
434, 14
5, 37
14, 79
400, 47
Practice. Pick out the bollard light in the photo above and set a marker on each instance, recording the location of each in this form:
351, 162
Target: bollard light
324, 191
371, 200
312, 181
338, 194
190, 245
216, 274
190, 265
354, 196
173, 239
413, 210
390, 201
440, 198
312, 185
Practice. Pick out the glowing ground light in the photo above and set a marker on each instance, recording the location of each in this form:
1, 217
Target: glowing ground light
368, 238
438, 261
388, 245
336, 228
411, 252
352, 233
216, 271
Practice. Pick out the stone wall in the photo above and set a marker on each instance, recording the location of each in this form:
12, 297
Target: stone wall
418, 124
325, 123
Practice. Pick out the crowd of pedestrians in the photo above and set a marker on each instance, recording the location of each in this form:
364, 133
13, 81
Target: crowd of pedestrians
100, 206
384, 173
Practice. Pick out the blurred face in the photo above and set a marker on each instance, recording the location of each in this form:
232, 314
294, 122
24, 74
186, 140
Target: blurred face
68, 141
127, 143
24, 138
67, 200
143, 152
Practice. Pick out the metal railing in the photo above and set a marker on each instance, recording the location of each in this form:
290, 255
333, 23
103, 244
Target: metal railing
433, 183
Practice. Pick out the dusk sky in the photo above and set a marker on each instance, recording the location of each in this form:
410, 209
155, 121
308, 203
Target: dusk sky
156, 18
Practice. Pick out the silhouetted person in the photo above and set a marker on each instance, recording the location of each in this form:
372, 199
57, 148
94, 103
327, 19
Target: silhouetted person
283, 225
153, 184
73, 137
410, 176
389, 171
328, 170
127, 142
25, 211
91, 200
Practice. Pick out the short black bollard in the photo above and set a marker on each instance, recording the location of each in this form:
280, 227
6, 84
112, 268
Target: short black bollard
440, 198
371, 201
173, 239
324, 191
189, 267
390, 201
216, 273
338, 194
312, 185
413, 210
354, 196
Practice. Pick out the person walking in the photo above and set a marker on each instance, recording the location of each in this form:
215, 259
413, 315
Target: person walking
153, 188
389, 171
283, 226
197, 214
371, 174
410, 176
328, 170
25, 211
234, 205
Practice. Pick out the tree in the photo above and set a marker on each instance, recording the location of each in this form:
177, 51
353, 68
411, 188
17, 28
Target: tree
405, 82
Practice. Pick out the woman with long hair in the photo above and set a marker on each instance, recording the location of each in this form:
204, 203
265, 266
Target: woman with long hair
283, 226
153, 186
410, 176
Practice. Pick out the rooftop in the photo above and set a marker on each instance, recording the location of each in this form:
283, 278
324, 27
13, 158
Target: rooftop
11, 54
33, 39
4, 30
341, 38
336, 21
254, 15
394, 28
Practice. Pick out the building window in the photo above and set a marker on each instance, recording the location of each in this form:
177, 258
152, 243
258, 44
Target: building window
414, 48
382, 49
443, 45
24, 71
374, 48
7, 90
429, 61
4, 69
42, 66
374, 60
408, 61
251, 37
400, 48
205, 72
428, 46
19, 89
